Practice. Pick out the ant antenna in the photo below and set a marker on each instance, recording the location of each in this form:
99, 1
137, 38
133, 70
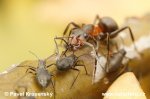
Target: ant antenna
34, 55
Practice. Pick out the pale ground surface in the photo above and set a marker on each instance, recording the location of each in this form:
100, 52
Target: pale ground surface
127, 85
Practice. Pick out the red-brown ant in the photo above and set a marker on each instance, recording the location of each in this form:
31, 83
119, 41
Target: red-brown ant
106, 28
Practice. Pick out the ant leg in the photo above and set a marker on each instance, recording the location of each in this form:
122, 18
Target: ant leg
122, 29
108, 54
95, 69
67, 27
76, 76
83, 66
71, 23
97, 45
97, 18
95, 53
89, 44
61, 38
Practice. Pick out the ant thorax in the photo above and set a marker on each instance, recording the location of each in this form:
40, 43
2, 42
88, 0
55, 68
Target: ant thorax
96, 31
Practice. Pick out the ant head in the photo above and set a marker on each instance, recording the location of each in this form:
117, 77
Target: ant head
88, 28
43, 78
42, 62
123, 52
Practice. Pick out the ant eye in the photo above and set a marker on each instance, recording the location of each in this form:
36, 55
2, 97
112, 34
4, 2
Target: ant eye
85, 35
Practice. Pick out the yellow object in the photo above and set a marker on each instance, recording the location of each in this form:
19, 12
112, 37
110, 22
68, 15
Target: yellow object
125, 87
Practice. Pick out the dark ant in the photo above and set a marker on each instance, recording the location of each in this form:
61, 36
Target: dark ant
115, 63
116, 66
25, 90
106, 28
43, 77
67, 63
116, 60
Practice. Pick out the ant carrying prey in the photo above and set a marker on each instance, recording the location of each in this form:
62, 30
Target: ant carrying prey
105, 29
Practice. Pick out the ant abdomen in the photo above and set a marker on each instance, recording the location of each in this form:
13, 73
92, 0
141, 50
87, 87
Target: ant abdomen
108, 24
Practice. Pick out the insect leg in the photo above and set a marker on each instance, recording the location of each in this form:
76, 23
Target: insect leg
95, 68
71, 23
50, 65
122, 29
76, 76
26, 66
64, 52
83, 66
108, 54
97, 45
61, 38
95, 53
97, 18
30, 69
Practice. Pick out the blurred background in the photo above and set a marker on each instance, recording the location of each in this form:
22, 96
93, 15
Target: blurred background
31, 24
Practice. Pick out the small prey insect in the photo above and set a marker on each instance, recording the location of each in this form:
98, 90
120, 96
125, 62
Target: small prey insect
68, 62
43, 76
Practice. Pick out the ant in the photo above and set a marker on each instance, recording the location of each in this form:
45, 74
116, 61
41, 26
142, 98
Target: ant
67, 63
24, 96
106, 28
117, 66
116, 60
115, 63
43, 77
